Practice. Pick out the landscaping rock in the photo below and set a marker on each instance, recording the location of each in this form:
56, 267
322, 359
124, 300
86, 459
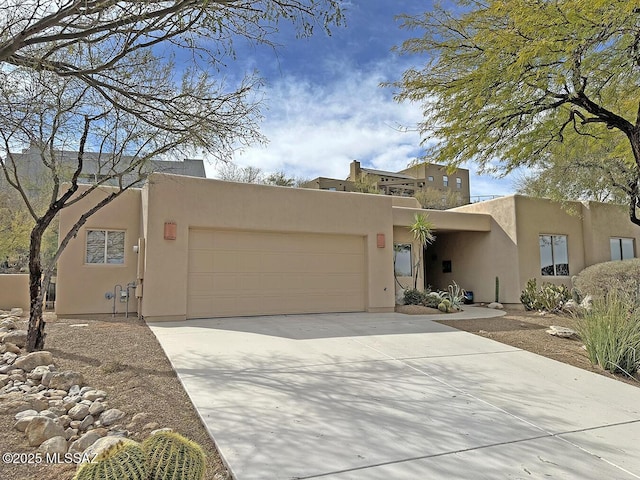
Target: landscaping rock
111, 416
496, 306
97, 408
587, 303
33, 360
65, 380
84, 442
41, 429
54, 445
46, 378
103, 444
78, 412
86, 422
11, 347
16, 312
9, 324
561, 331
17, 337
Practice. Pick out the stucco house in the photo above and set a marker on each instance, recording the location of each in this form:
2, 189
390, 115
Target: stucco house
407, 182
198, 248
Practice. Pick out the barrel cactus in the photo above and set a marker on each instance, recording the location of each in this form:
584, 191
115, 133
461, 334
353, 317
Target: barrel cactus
125, 460
445, 306
170, 456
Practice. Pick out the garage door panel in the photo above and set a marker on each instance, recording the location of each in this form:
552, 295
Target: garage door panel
233, 273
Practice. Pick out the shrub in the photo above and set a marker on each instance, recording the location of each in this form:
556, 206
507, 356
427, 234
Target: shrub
622, 276
432, 300
455, 295
413, 296
548, 297
611, 334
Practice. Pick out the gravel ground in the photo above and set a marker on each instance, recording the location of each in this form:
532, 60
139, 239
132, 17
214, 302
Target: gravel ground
122, 357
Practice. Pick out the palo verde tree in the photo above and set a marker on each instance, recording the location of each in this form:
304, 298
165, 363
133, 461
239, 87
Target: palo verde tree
506, 81
99, 78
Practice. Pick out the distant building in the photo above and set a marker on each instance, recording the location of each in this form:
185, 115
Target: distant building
429, 178
95, 167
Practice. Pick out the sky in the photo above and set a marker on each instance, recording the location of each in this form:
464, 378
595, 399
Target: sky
323, 104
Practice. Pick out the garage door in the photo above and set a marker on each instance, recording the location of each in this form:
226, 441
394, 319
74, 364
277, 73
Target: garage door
237, 273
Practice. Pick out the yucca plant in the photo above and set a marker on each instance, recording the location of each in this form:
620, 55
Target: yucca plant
611, 333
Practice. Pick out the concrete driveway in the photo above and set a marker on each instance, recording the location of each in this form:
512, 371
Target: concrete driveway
389, 396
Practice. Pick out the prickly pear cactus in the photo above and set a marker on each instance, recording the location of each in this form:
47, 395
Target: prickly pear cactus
123, 461
170, 456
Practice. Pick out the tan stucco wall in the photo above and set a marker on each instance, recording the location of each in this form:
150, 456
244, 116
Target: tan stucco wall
204, 203
14, 292
81, 287
477, 258
537, 217
603, 221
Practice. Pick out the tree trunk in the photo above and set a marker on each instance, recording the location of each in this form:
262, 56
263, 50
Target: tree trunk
35, 333
634, 139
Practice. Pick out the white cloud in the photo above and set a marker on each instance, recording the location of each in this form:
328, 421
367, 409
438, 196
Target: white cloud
318, 129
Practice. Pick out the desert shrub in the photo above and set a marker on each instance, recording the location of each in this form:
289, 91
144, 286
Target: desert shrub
455, 295
548, 297
432, 300
611, 333
622, 276
413, 296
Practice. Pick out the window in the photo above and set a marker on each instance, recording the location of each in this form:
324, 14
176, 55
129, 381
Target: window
445, 180
621, 248
402, 259
458, 183
105, 246
554, 259
430, 178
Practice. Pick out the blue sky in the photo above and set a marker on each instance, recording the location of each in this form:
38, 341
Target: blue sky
323, 104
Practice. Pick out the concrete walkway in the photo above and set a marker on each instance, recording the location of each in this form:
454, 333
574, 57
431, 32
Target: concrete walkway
390, 396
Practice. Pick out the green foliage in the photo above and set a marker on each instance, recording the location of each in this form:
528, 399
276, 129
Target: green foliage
611, 333
432, 300
454, 295
435, 199
619, 276
174, 457
125, 460
445, 306
413, 296
549, 297
511, 80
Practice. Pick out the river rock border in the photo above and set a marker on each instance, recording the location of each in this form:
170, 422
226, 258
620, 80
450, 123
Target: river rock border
57, 412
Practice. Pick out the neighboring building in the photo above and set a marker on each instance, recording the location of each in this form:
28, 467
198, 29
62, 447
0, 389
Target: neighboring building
424, 177
95, 167
206, 248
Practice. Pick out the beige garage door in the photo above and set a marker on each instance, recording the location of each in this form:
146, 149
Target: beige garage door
236, 273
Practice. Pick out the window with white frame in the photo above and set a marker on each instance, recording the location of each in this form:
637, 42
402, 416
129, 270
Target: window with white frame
621, 248
445, 180
402, 259
430, 178
105, 246
458, 183
554, 255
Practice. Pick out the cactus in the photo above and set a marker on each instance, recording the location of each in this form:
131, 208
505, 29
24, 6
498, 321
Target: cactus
445, 306
125, 460
170, 456
497, 289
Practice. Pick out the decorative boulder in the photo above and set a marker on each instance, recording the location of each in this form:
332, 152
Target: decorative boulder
111, 416
65, 380
560, 331
41, 429
33, 360
496, 306
16, 312
17, 337
54, 445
